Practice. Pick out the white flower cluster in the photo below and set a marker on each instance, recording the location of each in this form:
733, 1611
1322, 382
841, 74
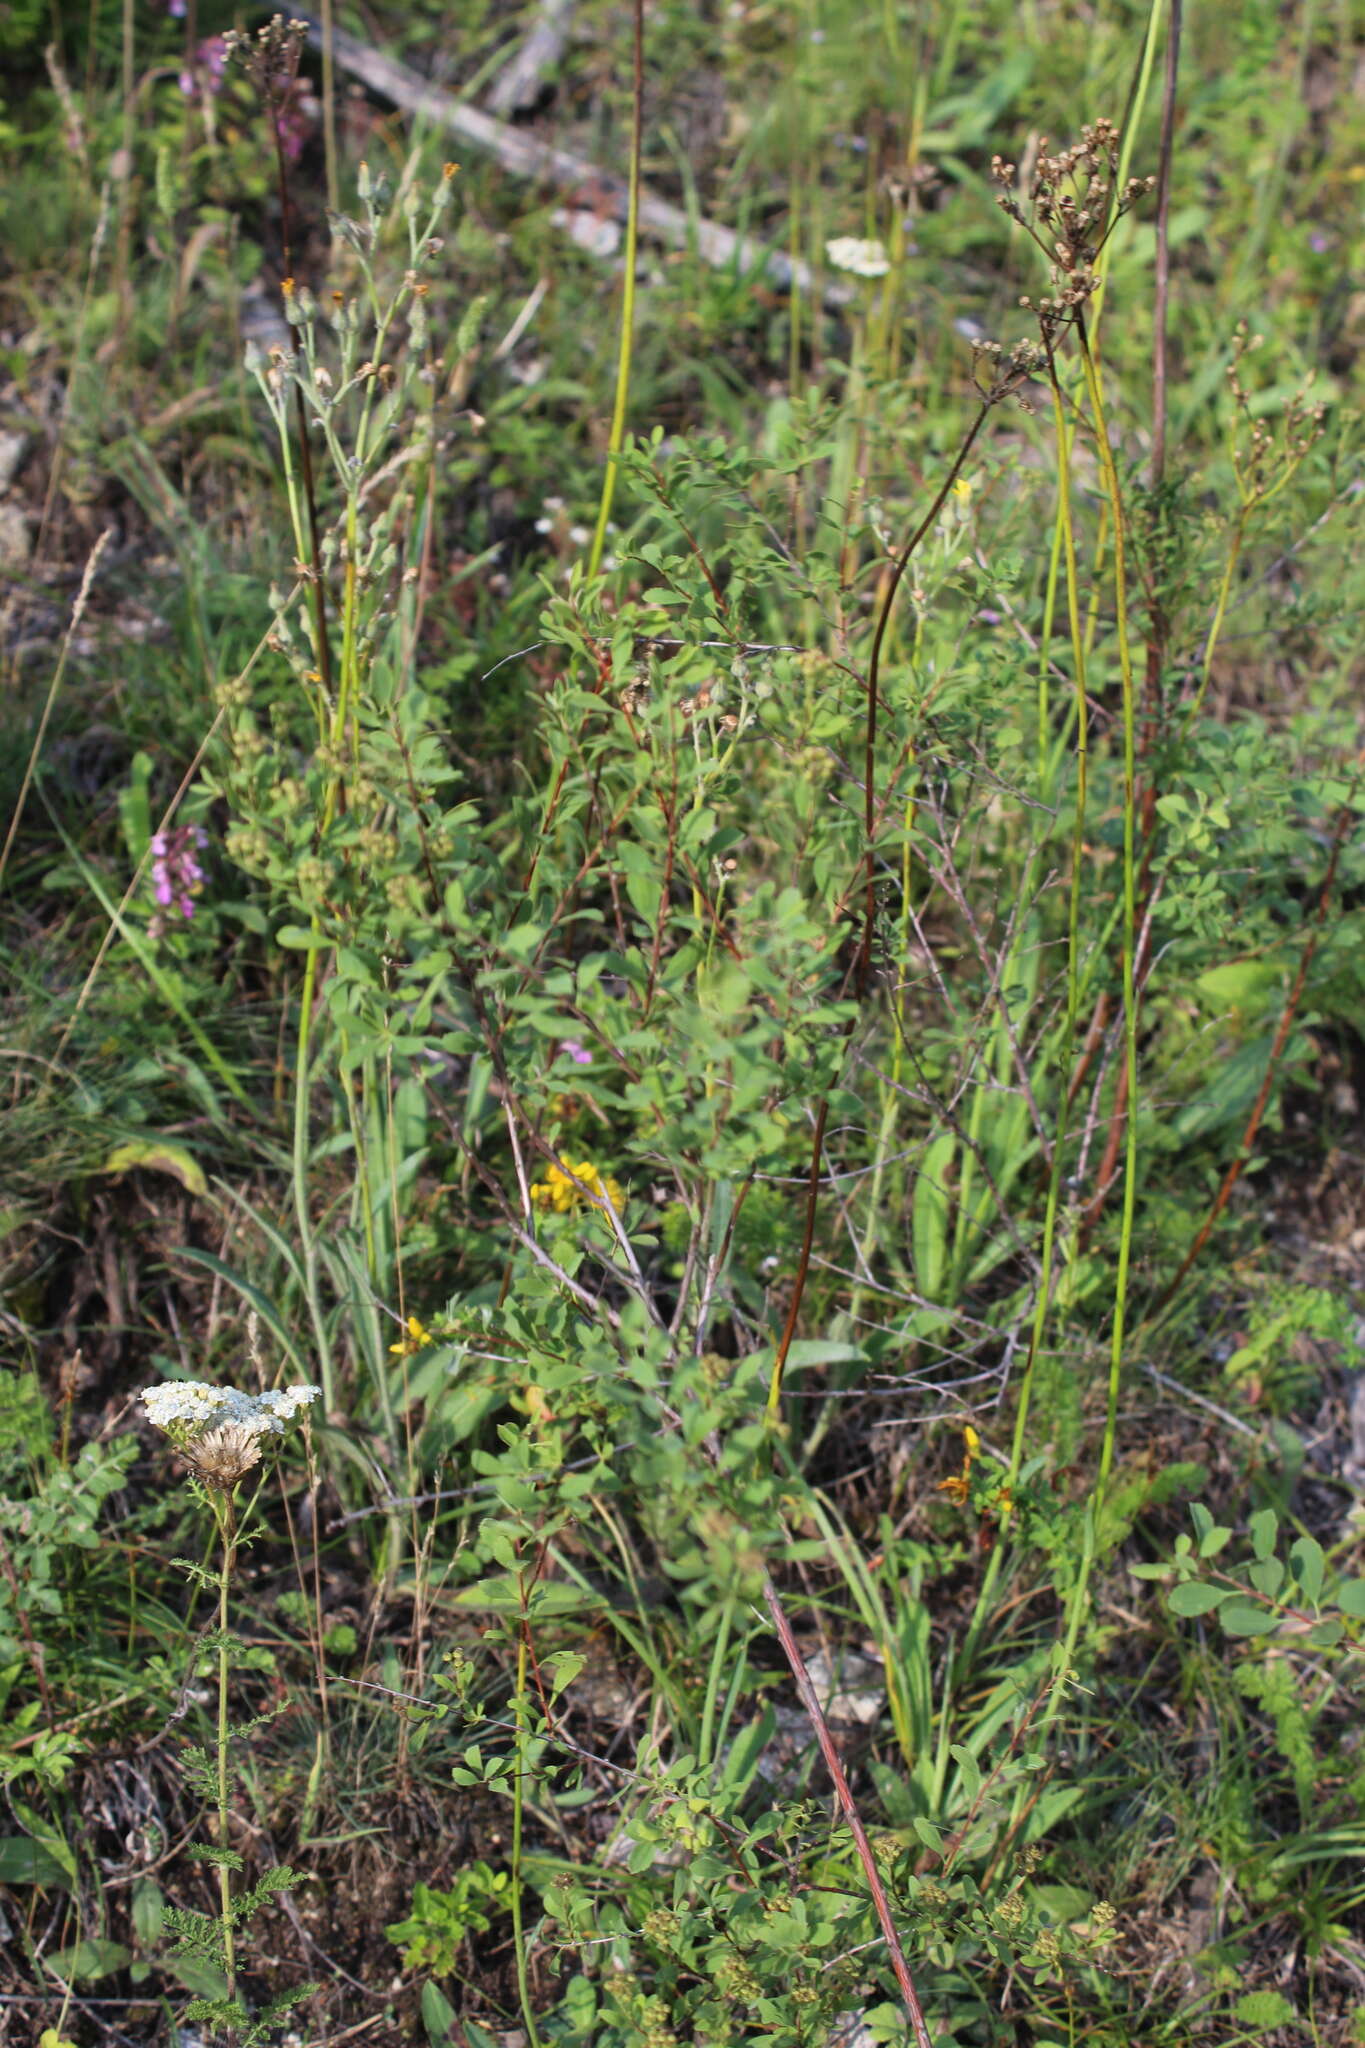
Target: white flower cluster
863, 259
187, 1408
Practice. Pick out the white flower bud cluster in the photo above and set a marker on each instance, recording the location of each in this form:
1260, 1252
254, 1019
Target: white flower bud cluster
187, 1408
861, 258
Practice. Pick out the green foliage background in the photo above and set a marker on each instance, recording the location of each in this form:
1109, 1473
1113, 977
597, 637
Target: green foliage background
721, 1158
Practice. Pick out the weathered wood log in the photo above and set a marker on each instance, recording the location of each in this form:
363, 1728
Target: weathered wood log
519, 85
525, 157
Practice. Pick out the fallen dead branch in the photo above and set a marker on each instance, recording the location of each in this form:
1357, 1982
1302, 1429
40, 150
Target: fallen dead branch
517, 89
524, 157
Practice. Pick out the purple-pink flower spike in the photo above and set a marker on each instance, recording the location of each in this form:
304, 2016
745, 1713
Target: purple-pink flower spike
204, 75
176, 875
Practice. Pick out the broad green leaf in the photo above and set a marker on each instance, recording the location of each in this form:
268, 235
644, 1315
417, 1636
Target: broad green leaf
1309, 1564
24, 1861
811, 1351
1243, 1618
968, 1770
1265, 1527
157, 1155
1054, 1802
563, 1669
1194, 1597
742, 1758
1212, 1538
43, 1832
1230, 1087
438, 2016
87, 1961
1267, 1575
1266, 1341
929, 1218
724, 989
1061, 1903
479, 2037
1351, 1599
149, 1910
503, 1595
198, 1975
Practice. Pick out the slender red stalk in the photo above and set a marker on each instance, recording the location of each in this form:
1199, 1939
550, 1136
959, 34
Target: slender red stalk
881, 1903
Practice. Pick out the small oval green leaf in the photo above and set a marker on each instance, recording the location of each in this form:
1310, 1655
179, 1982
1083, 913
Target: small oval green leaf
1194, 1597
1309, 1564
1242, 1618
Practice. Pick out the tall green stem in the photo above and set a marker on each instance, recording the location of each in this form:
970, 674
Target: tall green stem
1110, 475
618, 417
1064, 544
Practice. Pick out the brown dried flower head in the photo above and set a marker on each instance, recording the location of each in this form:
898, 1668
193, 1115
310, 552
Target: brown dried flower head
224, 1455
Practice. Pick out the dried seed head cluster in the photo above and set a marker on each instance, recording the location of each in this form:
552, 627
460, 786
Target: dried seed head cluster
271, 55
998, 372
1074, 200
1264, 460
271, 58
220, 1431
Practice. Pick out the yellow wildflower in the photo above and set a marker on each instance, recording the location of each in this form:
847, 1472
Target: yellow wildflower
958, 1487
416, 1337
560, 1189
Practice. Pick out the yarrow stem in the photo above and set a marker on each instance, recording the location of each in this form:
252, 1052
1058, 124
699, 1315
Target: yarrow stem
221, 1433
226, 1515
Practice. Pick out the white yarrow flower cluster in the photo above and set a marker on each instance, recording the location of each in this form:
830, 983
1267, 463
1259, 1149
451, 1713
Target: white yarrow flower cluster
220, 1429
201, 1407
862, 259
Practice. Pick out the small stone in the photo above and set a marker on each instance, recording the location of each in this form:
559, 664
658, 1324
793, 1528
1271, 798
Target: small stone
16, 539
588, 229
13, 449
850, 2030
852, 1690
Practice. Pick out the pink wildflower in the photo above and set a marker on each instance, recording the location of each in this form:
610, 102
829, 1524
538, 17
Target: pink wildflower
177, 876
295, 118
202, 77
